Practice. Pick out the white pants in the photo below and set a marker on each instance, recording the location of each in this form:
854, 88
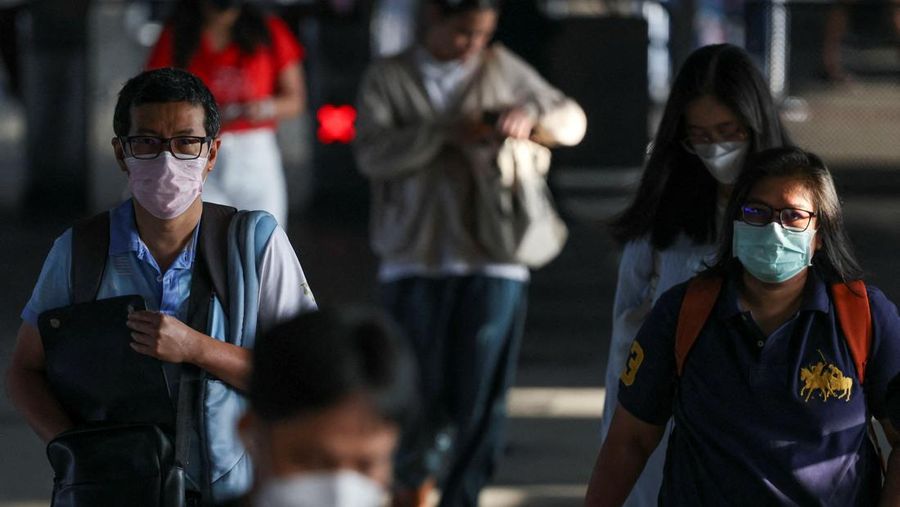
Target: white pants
248, 174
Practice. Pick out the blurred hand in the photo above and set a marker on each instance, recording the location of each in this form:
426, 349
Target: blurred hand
230, 112
515, 123
163, 337
259, 110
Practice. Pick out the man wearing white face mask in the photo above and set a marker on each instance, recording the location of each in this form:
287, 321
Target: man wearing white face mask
160, 243
328, 395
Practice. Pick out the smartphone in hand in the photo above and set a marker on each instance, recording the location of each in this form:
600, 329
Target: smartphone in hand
490, 118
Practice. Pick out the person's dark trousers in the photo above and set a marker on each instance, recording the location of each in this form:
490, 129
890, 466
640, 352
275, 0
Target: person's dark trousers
466, 332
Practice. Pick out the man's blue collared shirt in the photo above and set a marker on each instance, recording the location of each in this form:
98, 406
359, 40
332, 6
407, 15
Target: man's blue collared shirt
130, 269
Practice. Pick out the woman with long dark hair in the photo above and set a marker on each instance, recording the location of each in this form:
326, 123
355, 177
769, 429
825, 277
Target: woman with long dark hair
251, 63
771, 363
719, 111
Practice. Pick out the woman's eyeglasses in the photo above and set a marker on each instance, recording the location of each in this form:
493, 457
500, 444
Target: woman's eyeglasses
792, 219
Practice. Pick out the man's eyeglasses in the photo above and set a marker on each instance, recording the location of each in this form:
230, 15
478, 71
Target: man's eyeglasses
792, 219
181, 147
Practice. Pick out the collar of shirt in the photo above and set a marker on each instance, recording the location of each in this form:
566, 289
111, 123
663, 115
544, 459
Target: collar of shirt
124, 238
433, 68
815, 294
443, 80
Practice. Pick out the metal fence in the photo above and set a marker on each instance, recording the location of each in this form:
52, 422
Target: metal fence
835, 66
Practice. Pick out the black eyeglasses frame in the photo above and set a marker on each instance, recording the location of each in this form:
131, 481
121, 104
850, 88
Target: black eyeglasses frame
777, 212
165, 143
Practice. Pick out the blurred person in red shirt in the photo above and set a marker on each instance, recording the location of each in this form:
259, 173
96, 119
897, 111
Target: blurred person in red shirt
252, 64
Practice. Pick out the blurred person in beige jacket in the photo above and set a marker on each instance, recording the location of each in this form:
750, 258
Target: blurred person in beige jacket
439, 125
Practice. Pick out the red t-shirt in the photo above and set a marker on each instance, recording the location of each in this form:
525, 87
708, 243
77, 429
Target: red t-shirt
234, 77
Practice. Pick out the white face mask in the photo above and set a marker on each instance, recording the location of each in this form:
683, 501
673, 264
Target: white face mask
165, 186
344, 488
724, 161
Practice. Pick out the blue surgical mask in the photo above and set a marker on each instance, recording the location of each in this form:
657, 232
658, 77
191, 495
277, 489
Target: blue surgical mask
772, 253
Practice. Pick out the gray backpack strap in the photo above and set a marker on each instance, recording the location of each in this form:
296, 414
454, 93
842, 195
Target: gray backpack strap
90, 248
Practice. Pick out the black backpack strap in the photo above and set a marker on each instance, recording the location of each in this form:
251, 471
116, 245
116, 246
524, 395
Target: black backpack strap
209, 277
212, 249
90, 249
190, 402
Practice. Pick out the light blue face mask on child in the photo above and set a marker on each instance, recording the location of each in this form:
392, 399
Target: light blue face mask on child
772, 253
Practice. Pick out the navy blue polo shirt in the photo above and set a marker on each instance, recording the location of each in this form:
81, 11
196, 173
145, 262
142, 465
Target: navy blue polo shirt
764, 420
893, 401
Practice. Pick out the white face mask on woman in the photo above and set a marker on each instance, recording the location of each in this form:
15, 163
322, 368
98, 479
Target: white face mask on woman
724, 161
343, 488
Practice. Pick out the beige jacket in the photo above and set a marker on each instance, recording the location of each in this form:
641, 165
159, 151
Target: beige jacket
423, 188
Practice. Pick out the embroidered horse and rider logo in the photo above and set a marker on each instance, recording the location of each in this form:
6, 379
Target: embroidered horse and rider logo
826, 380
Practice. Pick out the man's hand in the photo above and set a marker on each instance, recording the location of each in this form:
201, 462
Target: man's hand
164, 337
515, 122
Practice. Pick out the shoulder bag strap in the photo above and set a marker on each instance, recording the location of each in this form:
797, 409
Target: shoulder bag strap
701, 295
208, 280
212, 250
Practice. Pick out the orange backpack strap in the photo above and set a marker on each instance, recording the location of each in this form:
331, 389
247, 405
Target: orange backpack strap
698, 303
851, 302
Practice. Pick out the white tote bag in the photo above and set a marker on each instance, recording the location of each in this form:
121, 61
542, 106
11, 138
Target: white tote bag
516, 218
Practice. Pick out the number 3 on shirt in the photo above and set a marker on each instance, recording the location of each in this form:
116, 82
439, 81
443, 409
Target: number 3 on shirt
635, 358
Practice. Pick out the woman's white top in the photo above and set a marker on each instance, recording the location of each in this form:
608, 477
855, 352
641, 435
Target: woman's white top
644, 275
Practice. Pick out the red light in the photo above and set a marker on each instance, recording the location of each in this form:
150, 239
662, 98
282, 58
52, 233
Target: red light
336, 123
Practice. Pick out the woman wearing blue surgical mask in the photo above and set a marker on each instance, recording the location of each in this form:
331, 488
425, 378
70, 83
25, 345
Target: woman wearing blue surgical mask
718, 112
787, 359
